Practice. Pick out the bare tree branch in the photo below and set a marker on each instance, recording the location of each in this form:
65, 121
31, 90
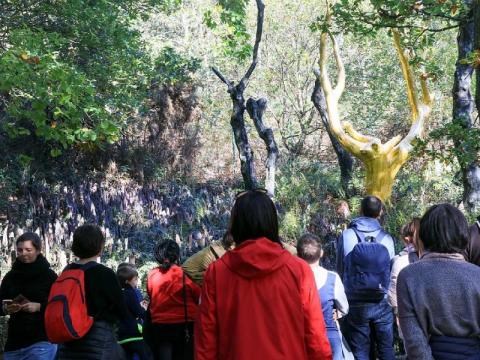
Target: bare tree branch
221, 77
258, 38
256, 109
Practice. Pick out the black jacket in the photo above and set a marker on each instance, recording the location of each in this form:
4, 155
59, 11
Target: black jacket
33, 281
103, 293
128, 326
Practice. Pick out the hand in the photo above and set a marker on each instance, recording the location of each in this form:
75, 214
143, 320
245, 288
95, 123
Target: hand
335, 315
144, 304
12, 308
31, 307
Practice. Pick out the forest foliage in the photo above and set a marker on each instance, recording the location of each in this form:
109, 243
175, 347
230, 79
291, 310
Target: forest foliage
82, 80
74, 72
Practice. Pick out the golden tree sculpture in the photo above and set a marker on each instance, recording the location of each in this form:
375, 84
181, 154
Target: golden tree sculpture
382, 161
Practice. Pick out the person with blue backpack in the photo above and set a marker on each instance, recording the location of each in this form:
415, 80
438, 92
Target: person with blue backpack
364, 253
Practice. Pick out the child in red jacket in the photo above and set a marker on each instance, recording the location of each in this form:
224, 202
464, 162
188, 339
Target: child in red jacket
173, 305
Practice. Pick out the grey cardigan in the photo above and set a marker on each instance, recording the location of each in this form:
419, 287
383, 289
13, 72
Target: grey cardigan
438, 295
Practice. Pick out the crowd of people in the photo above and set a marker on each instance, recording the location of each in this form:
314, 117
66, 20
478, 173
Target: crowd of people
251, 296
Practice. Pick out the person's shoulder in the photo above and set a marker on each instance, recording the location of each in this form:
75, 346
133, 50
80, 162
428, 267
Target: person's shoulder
290, 248
130, 292
296, 262
216, 245
153, 271
400, 257
8, 277
201, 252
413, 271
470, 267
52, 275
333, 273
387, 234
348, 235
100, 270
101, 267
203, 255
220, 263
474, 227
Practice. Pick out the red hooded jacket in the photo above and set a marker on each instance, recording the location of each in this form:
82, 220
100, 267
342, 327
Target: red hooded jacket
165, 290
260, 302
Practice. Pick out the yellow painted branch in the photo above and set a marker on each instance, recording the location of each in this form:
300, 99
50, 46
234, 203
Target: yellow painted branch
340, 69
350, 144
322, 63
407, 75
427, 99
348, 127
390, 144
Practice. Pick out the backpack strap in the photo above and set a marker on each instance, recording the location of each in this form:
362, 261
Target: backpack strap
330, 278
357, 233
380, 236
214, 253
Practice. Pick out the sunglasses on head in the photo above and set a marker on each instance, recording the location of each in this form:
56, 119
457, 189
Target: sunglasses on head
258, 190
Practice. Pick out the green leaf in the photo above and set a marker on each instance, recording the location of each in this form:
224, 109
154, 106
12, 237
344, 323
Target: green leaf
55, 152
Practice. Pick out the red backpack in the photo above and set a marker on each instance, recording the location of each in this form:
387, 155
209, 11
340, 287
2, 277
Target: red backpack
66, 316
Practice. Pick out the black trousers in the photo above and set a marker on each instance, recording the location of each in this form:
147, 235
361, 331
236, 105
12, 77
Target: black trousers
99, 343
168, 341
138, 348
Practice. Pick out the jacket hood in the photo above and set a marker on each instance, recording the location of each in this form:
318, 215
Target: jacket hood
365, 224
255, 258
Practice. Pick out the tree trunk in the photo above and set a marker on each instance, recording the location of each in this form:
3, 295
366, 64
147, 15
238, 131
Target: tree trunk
380, 176
237, 121
255, 109
345, 160
463, 108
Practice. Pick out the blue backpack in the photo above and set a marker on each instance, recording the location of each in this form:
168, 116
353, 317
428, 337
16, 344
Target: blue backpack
367, 269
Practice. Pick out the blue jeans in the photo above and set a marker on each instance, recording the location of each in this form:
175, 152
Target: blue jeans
336, 345
42, 350
363, 317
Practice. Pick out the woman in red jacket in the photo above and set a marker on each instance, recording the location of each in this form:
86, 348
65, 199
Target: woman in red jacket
258, 301
173, 306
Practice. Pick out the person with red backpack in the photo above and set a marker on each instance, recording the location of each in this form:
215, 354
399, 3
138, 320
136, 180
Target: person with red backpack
364, 253
85, 303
